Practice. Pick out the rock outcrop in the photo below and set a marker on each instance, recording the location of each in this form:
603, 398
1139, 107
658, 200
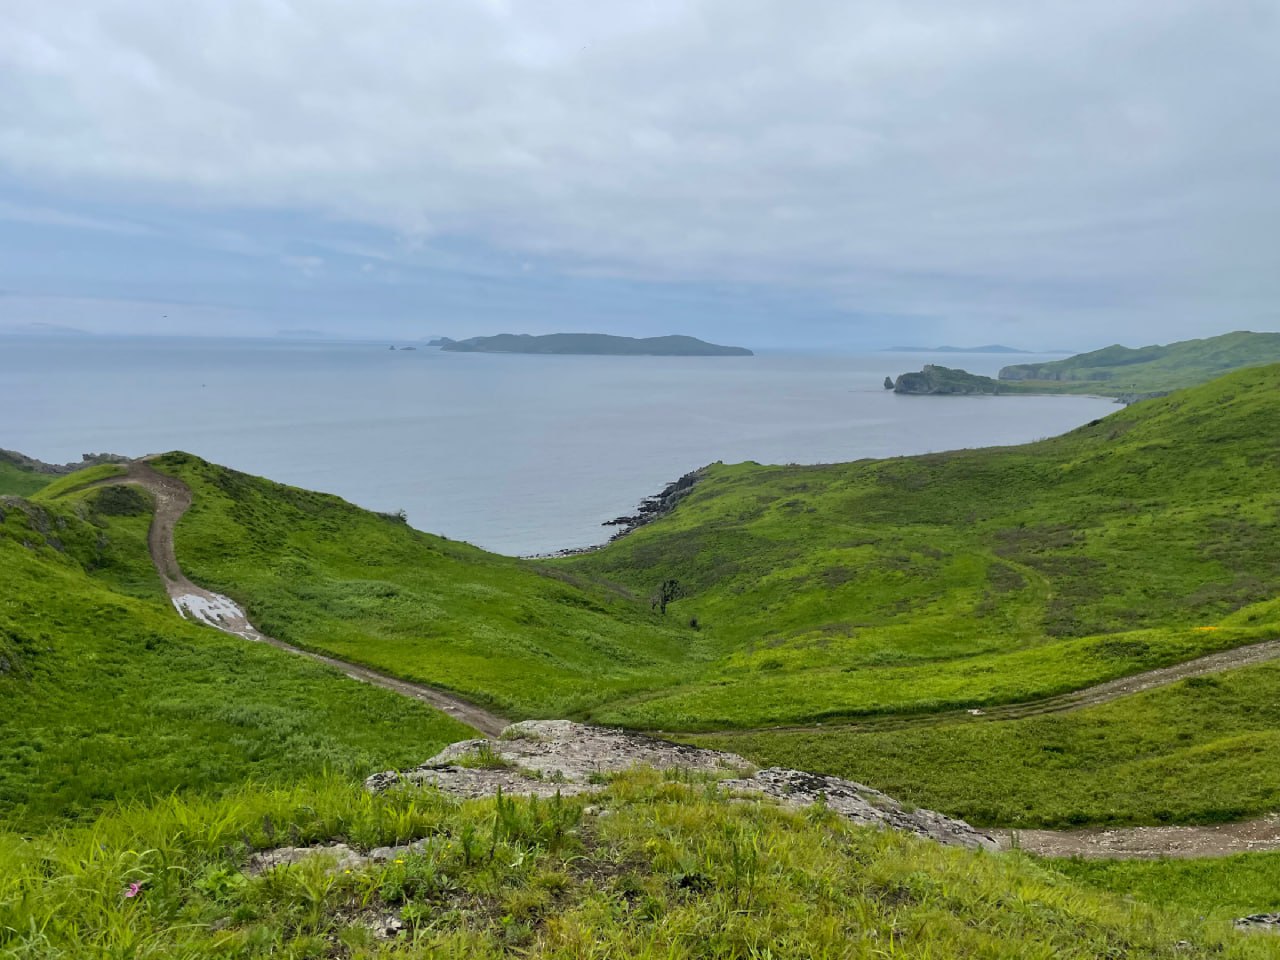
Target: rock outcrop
545, 757
651, 508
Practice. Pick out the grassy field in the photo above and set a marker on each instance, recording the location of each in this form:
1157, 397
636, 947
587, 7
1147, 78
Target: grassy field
109, 695
318, 572
674, 871
807, 594
969, 577
1219, 888
14, 479
1193, 752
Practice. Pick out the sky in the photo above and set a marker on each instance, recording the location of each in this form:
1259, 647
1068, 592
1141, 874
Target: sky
816, 174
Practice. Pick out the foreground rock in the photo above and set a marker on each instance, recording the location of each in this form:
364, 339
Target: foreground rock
545, 757
1259, 923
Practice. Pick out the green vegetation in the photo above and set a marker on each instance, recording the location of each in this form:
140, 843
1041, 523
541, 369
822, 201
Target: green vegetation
16, 477
318, 572
968, 578
805, 593
1221, 888
675, 871
1116, 370
1193, 752
145, 758
109, 695
594, 343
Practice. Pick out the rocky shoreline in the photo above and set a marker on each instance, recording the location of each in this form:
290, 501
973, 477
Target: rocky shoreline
651, 508
648, 510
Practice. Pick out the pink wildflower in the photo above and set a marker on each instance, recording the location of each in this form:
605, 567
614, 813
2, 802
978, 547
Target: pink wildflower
134, 890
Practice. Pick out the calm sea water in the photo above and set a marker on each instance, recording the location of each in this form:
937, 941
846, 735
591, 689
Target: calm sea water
517, 454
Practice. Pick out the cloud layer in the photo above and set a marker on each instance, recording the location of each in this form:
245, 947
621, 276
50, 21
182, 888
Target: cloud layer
982, 163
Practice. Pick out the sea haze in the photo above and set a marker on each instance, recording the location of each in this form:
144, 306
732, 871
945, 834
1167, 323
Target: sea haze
518, 454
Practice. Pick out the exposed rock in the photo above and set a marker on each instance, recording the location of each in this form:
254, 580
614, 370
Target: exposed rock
22, 461
344, 857
651, 508
545, 757
888, 383
1259, 923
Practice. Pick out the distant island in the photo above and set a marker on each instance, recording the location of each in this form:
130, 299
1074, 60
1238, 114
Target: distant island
595, 344
1126, 373
933, 380
986, 348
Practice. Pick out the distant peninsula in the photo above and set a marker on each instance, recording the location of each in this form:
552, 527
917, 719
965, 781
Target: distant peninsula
1126, 373
595, 344
985, 348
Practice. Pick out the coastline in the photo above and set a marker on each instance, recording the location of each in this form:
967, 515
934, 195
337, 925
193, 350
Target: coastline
648, 510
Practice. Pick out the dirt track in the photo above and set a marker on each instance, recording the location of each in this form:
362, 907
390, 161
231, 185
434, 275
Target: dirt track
173, 497
1148, 843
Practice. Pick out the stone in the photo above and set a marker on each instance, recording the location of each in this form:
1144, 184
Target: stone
545, 757
1259, 923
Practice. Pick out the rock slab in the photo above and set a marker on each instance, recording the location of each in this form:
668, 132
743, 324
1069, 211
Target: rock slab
545, 757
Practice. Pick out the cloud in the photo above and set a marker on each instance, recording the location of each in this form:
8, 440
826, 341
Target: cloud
979, 160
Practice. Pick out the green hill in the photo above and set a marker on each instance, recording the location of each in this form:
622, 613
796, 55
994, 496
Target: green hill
968, 578
142, 749
1124, 371
108, 695
594, 343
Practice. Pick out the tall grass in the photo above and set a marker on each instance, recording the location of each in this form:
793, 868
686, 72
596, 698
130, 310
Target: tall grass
673, 870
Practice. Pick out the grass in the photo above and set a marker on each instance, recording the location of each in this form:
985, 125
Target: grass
1193, 752
109, 695
318, 572
1117, 370
1221, 888
19, 481
969, 577
674, 871
807, 594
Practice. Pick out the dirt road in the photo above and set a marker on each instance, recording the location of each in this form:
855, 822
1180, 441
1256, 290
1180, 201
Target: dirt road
1148, 843
172, 498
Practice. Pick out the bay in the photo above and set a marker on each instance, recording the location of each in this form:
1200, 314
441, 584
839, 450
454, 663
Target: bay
517, 454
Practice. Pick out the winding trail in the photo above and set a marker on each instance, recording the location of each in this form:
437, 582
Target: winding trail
172, 498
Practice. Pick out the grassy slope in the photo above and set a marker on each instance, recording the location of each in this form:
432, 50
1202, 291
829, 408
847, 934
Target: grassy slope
970, 577
1197, 751
109, 695
1218, 887
319, 572
673, 872
15, 479
1118, 370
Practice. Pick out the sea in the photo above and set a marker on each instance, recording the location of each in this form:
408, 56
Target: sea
518, 454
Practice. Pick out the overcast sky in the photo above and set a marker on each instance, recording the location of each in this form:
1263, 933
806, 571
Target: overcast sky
814, 172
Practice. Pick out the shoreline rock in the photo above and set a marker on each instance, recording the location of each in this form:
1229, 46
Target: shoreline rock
651, 508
